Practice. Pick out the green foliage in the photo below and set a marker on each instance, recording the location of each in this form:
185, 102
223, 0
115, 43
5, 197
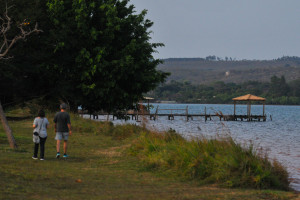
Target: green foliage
95, 54
276, 92
279, 87
118, 132
221, 161
108, 57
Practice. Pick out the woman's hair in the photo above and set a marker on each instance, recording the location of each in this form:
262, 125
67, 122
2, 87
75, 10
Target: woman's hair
41, 113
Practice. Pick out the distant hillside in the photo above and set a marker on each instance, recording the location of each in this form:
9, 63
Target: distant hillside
200, 70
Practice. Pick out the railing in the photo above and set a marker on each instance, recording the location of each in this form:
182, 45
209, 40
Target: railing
172, 112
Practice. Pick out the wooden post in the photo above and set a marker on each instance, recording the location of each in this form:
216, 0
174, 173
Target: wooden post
148, 105
205, 114
264, 109
249, 110
234, 108
187, 114
156, 112
7, 129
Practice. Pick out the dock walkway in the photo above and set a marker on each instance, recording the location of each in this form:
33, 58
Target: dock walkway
172, 113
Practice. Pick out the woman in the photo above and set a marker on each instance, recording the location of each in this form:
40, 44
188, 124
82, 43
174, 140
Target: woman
40, 125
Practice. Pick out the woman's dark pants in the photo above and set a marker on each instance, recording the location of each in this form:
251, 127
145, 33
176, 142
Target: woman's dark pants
36, 148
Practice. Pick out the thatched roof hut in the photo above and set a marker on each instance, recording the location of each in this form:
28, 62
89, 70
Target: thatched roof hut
249, 98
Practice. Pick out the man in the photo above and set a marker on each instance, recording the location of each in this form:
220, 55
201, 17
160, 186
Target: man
62, 126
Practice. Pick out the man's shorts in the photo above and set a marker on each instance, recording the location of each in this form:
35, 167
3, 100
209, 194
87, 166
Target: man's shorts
62, 135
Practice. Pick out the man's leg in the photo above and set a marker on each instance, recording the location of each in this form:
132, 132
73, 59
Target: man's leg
65, 146
58, 138
57, 145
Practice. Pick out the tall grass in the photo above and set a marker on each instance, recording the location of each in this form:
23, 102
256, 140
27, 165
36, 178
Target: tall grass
107, 128
219, 160
98, 158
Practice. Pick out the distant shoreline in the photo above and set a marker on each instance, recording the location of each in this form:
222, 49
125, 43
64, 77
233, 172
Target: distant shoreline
174, 102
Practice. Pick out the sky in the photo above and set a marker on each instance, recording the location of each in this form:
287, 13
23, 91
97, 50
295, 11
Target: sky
241, 29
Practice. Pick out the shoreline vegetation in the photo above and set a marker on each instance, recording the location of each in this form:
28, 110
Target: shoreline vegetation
241, 103
131, 162
276, 92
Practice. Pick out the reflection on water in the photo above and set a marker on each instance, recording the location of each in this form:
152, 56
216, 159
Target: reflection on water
280, 138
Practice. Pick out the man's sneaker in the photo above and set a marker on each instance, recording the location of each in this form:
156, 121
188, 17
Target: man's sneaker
42, 159
65, 156
57, 155
34, 158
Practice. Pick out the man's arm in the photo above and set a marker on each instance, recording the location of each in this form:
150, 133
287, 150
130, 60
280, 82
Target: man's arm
70, 131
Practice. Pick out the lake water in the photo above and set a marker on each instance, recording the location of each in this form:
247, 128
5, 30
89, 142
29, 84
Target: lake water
279, 137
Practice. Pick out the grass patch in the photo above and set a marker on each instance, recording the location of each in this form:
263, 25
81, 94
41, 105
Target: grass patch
99, 158
218, 161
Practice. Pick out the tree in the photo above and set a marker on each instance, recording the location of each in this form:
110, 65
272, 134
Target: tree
6, 44
279, 87
95, 54
27, 74
295, 88
6, 25
103, 55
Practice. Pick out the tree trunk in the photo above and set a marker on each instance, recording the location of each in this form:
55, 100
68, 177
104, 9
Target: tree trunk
7, 129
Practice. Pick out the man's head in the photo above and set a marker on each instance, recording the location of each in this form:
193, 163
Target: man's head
63, 106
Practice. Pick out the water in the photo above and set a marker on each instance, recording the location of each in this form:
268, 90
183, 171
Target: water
280, 138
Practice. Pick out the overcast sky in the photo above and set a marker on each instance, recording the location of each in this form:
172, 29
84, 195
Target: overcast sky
241, 29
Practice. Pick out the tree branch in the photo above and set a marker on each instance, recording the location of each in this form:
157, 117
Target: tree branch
6, 24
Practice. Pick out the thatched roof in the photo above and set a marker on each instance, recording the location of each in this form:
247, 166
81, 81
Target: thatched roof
148, 98
249, 97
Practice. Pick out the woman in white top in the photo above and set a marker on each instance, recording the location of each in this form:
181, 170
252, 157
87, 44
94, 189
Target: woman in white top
40, 125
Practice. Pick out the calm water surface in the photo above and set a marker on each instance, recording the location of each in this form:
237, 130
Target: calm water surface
280, 138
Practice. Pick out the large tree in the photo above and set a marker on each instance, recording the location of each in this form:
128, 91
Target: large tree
94, 53
24, 77
8, 38
103, 55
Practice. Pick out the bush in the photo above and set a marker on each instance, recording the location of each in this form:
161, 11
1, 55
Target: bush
221, 161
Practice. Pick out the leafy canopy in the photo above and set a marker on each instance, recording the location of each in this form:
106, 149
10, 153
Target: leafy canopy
94, 53
102, 49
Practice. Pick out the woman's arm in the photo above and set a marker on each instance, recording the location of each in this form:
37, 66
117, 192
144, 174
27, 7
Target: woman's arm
34, 123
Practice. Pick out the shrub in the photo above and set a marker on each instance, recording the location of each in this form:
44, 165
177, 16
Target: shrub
219, 160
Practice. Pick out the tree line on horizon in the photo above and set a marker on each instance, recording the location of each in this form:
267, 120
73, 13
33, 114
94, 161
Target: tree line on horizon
277, 91
226, 58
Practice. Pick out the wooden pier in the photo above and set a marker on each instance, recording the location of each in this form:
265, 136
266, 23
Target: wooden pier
171, 114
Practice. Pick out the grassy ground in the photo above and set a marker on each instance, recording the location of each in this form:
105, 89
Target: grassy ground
99, 167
